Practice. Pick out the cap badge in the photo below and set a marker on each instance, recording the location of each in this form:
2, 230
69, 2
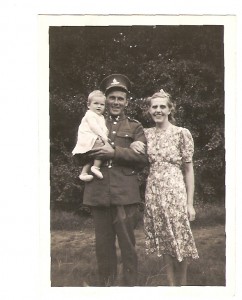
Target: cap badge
115, 82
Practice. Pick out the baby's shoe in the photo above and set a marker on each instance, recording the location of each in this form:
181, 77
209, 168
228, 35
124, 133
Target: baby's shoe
95, 171
86, 177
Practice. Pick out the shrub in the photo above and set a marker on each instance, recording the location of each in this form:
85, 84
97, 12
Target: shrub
186, 61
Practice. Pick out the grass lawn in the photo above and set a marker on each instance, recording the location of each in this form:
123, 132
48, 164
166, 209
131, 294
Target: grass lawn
73, 260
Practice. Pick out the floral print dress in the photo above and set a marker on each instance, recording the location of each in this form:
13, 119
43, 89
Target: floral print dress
167, 227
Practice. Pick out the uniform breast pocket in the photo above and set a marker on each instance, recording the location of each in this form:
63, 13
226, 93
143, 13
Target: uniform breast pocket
124, 139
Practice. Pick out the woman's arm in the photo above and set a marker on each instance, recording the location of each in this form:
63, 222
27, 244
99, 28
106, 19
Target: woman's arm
189, 181
138, 147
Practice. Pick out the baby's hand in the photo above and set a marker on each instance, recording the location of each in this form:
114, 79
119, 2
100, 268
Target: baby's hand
138, 147
104, 139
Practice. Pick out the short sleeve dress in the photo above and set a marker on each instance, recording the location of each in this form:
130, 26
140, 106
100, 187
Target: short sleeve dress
166, 223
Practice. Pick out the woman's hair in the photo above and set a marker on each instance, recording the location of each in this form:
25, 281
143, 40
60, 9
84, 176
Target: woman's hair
96, 93
162, 94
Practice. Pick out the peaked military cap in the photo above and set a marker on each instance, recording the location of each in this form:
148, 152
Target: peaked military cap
115, 80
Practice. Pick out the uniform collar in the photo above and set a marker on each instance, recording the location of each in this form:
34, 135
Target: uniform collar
116, 118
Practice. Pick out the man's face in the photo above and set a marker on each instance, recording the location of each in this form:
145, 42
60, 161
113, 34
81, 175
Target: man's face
116, 102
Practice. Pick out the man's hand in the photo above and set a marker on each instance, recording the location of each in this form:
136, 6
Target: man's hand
104, 152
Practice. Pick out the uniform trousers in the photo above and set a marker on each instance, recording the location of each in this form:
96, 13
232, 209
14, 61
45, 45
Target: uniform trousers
110, 222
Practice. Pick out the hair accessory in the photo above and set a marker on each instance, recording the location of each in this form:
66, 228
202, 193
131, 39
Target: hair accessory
163, 94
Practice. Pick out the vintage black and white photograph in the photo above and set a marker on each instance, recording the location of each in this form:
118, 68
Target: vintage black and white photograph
137, 154
120, 149
107, 212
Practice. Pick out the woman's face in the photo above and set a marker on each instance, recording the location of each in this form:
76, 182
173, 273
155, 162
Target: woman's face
159, 110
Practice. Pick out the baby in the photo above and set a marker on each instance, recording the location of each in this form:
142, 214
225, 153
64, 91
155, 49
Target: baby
92, 133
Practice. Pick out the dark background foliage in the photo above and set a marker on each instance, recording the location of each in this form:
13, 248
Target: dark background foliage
186, 61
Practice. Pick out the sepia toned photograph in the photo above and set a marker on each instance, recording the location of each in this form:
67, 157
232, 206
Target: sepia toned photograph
137, 154
120, 149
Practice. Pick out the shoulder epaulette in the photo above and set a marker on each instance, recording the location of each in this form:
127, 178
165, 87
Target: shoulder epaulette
133, 120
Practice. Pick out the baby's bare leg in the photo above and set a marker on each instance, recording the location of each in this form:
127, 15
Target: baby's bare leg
97, 163
96, 168
84, 176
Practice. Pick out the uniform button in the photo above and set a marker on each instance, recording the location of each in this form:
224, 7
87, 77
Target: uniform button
126, 135
112, 143
114, 123
114, 132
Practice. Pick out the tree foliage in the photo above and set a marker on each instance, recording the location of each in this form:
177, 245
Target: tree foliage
186, 61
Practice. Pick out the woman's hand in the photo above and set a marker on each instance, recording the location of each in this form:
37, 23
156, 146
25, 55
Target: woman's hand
191, 212
138, 147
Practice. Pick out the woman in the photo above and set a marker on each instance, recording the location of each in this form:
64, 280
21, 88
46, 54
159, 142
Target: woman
169, 190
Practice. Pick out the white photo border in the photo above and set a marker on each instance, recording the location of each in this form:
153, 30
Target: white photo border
44, 22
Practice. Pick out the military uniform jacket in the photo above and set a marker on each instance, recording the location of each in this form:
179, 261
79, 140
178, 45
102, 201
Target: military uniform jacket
119, 185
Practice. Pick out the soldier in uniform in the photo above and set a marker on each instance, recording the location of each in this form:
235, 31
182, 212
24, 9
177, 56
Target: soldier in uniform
114, 199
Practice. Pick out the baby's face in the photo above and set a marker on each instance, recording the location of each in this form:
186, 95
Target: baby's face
97, 105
